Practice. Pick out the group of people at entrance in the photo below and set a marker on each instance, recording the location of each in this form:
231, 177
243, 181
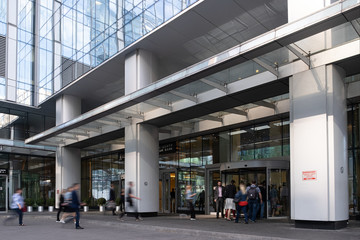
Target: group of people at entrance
245, 199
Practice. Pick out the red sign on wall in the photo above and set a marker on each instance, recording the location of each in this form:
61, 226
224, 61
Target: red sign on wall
309, 175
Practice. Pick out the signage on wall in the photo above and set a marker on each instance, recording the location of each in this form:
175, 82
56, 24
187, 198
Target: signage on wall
309, 175
167, 148
3, 171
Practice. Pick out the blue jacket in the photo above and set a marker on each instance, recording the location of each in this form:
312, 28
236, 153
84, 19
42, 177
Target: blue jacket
75, 200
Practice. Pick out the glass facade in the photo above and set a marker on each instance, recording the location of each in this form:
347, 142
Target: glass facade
34, 174
3, 15
189, 156
25, 52
99, 172
91, 32
19, 125
354, 158
46, 50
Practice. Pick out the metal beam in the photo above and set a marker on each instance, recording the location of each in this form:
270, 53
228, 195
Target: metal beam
185, 96
110, 123
211, 118
129, 114
356, 25
265, 104
236, 111
299, 55
79, 132
215, 85
117, 118
266, 66
90, 128
159, 104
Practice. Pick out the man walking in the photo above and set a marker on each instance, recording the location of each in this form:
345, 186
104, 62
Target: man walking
254, 195
130, 197
219, 199
75, 204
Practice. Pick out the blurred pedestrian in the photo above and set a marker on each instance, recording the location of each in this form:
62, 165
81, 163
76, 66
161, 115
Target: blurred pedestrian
130, 197
190, 201
68, 210
75, 204
172, 200
112, 199
241, 206
17, 205
61, 207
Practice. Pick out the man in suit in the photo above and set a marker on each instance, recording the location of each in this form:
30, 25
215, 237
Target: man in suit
75, 204
219, 199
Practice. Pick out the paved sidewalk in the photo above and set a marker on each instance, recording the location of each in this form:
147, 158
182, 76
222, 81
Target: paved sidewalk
204, 227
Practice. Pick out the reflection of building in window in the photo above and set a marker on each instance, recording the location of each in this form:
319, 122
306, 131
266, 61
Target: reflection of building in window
7, 119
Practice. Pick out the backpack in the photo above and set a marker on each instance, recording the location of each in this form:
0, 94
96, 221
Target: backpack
252, 193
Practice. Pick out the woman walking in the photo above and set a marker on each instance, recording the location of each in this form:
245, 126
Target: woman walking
242, 205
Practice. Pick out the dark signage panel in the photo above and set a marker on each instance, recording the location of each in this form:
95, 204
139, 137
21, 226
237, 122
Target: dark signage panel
3, 171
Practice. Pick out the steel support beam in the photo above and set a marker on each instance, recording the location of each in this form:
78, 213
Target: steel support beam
267, 67
185, 96
306, 60
215, 85
265, 104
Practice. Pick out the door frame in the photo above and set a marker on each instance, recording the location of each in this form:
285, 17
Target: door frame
6, 192
162, 173
208, 169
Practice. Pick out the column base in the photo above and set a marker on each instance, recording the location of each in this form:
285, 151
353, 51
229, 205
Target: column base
142, 214
321, 224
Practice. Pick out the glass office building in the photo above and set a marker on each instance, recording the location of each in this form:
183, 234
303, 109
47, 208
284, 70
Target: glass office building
169, 93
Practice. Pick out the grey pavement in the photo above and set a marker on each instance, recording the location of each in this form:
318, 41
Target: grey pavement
105, 226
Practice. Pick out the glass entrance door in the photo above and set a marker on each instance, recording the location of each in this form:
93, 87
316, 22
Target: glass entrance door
168, 192
213, 176
279, 193
3, 193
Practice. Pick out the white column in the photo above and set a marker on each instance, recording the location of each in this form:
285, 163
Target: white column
318, 150
142, 165
68, 160
142, 140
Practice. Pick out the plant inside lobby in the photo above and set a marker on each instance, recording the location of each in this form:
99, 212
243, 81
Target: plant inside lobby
101, 202
87, 202
117, 202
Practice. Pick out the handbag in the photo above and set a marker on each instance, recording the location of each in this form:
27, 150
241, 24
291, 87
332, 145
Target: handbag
243, 203
110, 204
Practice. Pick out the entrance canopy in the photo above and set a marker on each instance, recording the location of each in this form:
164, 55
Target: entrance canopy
254, 73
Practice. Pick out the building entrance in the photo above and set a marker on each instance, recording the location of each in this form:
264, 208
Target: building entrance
167, 191
273, 175
3, 193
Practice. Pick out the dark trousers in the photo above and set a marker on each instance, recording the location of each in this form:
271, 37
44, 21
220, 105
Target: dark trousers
253, 209
220, 207
20, 213
191, 208
240, 209
133, 206
58, 213
77, 217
